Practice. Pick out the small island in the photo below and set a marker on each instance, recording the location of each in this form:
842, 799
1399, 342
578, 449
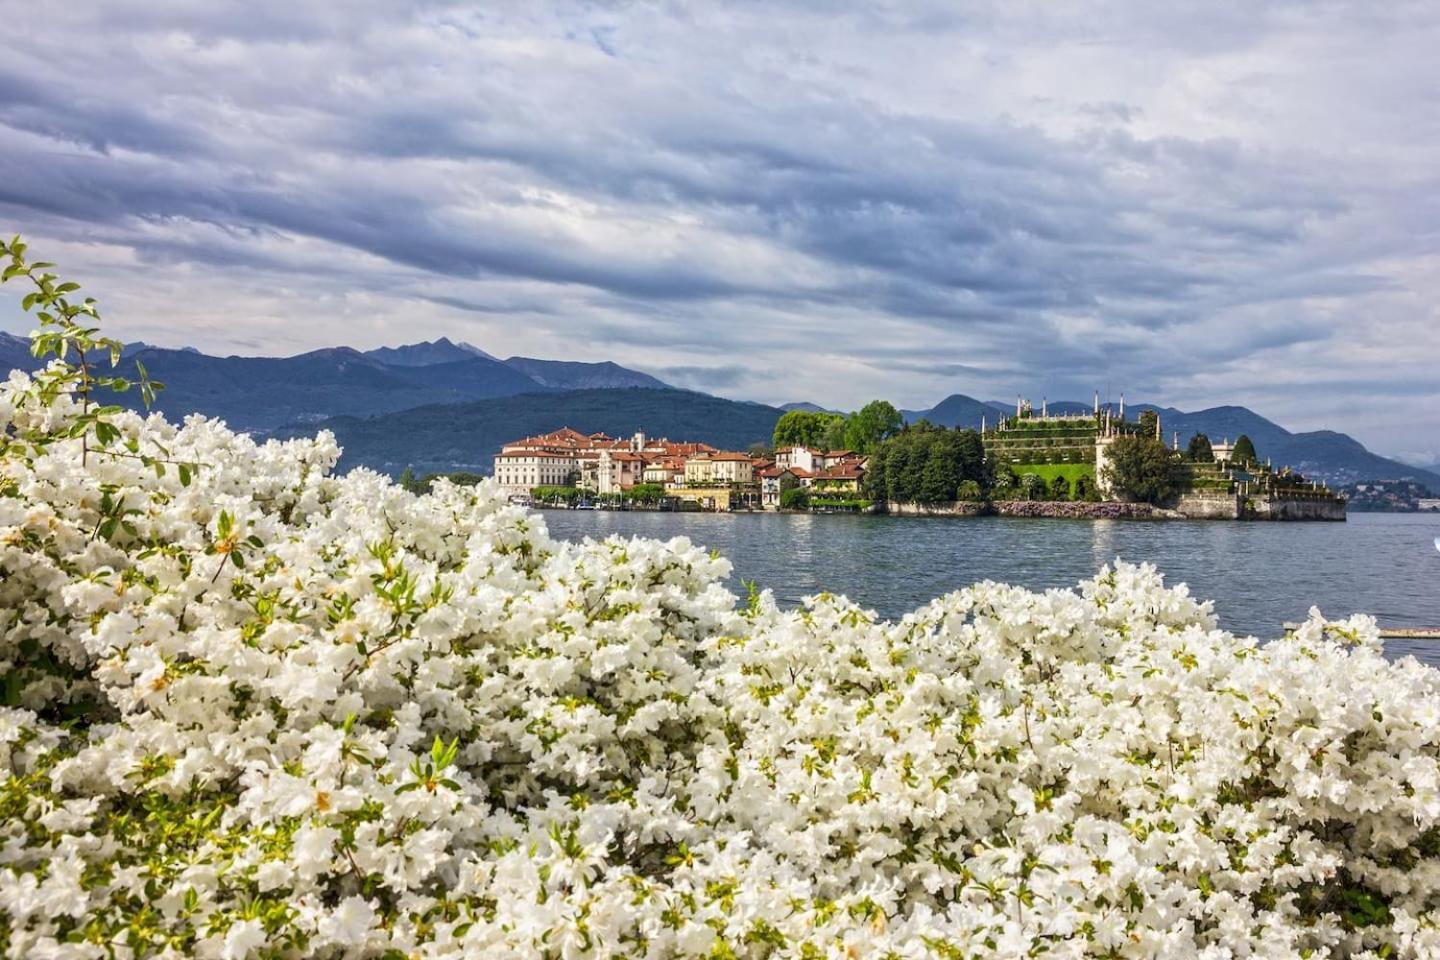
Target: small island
1095, 464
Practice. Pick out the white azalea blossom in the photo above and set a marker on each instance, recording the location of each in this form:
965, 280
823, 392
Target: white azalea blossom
284, 713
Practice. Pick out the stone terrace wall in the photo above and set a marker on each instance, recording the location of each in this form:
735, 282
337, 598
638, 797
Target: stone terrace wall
1285, 508
1075, 510
1210, 506
959, 508
1053, 509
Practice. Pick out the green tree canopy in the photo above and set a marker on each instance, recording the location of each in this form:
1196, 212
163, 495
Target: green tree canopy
1140, 468
1199, 450
410, 482
833, 436
646, 492
548, 494
923, 463
805, 428
1034, 487
463, 478
1149, 422
876, 421
1244, 451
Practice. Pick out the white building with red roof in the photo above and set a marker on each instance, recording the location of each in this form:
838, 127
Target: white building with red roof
591, 461
802, 457
548, 460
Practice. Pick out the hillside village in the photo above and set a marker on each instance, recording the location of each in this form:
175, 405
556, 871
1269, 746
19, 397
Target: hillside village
1062, 464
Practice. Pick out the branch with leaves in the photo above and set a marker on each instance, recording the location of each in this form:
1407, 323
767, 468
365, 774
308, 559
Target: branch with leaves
69, 327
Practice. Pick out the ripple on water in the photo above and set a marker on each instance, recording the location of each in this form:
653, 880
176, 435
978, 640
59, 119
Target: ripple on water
1260, 575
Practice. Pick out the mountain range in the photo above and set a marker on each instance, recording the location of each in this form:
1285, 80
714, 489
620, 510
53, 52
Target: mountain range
441, 405
261, 394
466, 436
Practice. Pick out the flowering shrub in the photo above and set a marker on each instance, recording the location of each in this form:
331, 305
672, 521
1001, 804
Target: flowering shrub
255, 709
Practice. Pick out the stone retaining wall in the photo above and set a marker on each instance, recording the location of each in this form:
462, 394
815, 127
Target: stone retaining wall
959, 508
1186, 508
1283, 508
1074, 510
1210, 507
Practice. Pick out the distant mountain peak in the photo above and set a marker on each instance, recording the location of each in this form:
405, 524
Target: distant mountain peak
806, 406
574, 375
427, 353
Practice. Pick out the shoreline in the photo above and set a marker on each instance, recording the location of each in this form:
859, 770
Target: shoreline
1298, 512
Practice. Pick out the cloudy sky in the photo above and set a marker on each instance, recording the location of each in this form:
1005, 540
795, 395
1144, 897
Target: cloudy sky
1192, 202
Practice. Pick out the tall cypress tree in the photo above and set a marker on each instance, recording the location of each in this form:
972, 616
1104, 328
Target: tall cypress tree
1200, 450
1244, 451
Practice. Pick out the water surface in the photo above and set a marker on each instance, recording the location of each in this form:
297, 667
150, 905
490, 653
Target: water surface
1260, 575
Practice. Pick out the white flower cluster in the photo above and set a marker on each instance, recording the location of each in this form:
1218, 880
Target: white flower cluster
275, 712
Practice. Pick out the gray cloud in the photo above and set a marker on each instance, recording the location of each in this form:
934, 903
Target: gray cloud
1205, 202
710, 378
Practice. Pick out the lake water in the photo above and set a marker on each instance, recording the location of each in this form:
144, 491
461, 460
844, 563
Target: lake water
1260, 575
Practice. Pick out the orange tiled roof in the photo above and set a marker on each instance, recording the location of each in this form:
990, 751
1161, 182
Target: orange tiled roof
568, 441
674, 449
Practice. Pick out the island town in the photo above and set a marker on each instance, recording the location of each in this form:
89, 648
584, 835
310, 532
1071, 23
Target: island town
1097, 464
